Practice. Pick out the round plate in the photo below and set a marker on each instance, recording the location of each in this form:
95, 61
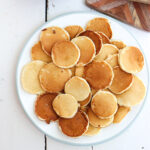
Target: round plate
27, 100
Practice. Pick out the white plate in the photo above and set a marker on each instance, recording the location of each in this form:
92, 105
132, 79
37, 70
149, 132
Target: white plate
27, 100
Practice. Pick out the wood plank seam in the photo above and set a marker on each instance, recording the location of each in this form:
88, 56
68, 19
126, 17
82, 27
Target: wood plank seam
45, 142
46, 12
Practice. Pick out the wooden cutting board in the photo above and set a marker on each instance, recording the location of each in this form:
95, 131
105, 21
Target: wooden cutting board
142, 1
133, 13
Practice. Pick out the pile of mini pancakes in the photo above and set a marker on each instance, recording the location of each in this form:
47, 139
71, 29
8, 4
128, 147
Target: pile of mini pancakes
83, 79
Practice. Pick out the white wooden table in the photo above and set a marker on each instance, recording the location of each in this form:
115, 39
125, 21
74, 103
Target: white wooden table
18, 20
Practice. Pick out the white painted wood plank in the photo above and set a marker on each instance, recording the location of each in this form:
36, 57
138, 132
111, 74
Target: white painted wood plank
136, 137
58, 7
18, 19
54, 145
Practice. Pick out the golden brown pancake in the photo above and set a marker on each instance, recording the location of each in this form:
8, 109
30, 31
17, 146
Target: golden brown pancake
105, 39
79, 71
77, 87
131, 59
92, 130
113, 60
73, 30
53, 79
134, 95
119, 44
106, 51
65, 54
44, 109
75, 126
37, 53
86, 101
100, 24
104, 104
120, 114
65, 105
122, 81
99, 75
29, 77
97, 40
98, 122
50, 36
87, 49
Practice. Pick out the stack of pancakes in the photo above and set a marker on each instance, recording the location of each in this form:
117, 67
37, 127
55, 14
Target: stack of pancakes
83, 78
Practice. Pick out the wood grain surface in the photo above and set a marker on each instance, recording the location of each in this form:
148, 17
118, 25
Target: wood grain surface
133, 13
141, 1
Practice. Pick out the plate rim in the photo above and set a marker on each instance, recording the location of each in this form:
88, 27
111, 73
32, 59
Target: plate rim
68, 142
